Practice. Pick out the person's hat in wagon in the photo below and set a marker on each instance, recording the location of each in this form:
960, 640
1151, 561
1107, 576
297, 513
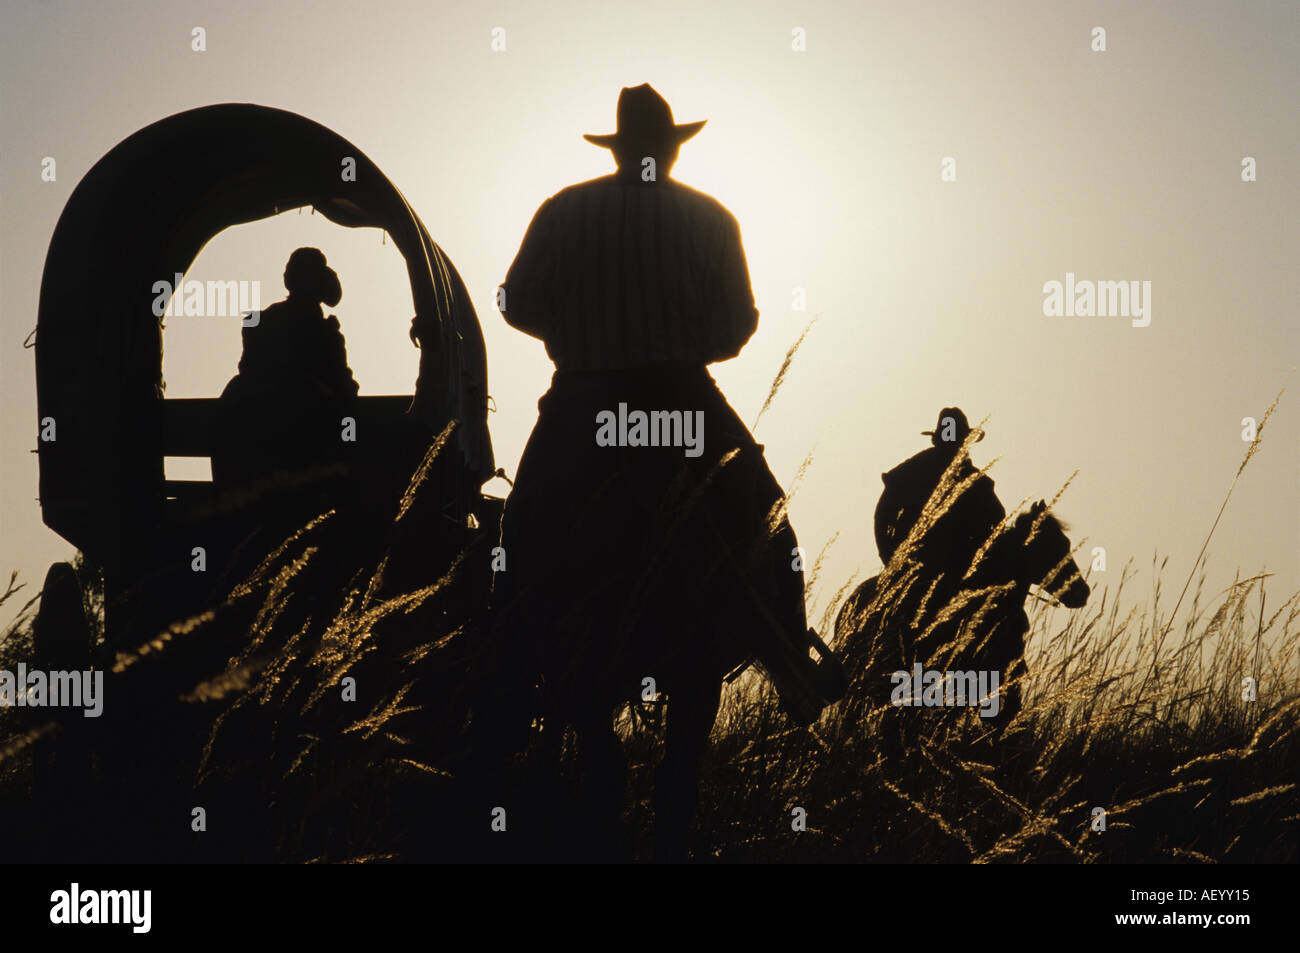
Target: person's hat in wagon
307, 273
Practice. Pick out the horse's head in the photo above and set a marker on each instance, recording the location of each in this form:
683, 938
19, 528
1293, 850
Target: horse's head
1048, 562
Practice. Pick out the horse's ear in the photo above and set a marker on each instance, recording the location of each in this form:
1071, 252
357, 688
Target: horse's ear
1038, 508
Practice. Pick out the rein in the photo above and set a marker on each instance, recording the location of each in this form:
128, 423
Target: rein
1049, 599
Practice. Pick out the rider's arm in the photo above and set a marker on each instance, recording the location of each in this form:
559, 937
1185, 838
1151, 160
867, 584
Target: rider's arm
983, 511
731, 312
886, 523
336, 367
525, 296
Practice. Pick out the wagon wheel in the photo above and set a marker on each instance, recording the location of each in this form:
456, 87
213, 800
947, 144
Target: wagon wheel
61, 643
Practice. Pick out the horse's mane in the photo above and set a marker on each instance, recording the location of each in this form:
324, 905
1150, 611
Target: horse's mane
1061, 524
1048, 517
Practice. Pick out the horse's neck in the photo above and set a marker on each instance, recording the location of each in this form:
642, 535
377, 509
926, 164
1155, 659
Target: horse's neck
1009, 561
1034, 563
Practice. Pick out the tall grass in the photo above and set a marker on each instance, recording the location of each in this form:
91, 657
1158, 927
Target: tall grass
1157, 735
1130, 745
1121, 713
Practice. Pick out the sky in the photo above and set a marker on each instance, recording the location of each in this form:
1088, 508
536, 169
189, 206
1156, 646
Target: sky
922, 290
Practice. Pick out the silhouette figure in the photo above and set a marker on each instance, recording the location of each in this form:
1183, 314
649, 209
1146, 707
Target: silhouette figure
963, 528
636, 555
952, 599
282, 411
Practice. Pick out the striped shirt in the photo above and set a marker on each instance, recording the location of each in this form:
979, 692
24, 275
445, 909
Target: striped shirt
614, 274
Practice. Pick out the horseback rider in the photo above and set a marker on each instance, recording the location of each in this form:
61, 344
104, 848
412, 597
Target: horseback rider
959, 532
932, 605
636, 282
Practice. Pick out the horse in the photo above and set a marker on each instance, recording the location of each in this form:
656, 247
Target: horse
646, 581
914, 614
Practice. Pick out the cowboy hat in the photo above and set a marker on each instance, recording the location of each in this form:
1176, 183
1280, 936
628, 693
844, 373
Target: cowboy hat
960, 426
644, 117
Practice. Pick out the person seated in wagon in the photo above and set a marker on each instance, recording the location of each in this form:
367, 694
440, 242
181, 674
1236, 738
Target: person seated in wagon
282, 411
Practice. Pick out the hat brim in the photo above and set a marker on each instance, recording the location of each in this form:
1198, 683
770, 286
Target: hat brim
931, 433
678, 133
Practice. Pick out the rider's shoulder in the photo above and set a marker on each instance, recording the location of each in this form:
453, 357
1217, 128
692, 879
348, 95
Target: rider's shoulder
702, 201
579, 190
913, 467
